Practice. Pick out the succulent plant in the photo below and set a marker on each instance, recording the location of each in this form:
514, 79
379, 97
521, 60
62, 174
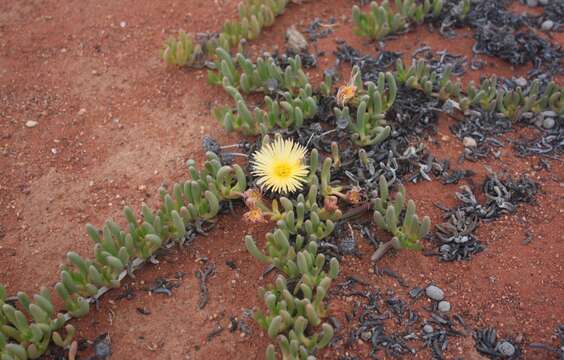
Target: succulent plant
387, 215
287, 319
288, 113
368, 128
379, 22
182, 51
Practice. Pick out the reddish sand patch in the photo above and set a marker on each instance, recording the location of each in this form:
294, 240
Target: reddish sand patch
142, 121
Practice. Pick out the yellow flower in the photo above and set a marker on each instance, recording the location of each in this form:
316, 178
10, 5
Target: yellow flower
345, 94
280, 166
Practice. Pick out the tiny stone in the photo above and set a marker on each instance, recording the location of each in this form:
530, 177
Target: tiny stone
549, 113
547, 25
548, 123
444, 248
31, 123
461, 239
522, 82
444, 306
469, 142
428, 329
123, 24
532, 3
366, 335
544, 2
82, 111
296, 41
434, 293
505, 348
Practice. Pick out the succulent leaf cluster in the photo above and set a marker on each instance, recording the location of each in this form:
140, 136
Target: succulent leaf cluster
27, 329
294, 313
182, 51
264, 75
374, 100
381, 21
488, 96
289, 112
254, 15
388, 214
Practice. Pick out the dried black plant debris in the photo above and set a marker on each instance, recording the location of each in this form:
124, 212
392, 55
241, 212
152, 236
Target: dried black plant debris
440, 60
370, 321
369, 66
549, 143
164, 286
102, 346
319, 29
501, 33
557, 350
309, 60
203, 275
487, 344
456, 239
518, 48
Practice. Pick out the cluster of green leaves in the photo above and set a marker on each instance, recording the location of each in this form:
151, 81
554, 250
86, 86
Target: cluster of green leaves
369, 127
289, 112
115, 251
264, 75
417, 11
298, 223
513, 103
182, 51
294, 316
381, 21
388, 216
26, 333
488, 95
254, 15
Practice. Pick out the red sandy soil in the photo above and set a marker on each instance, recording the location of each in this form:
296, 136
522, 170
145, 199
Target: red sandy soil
141, 122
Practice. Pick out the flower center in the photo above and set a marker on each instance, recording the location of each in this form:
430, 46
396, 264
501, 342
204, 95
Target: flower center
282, 169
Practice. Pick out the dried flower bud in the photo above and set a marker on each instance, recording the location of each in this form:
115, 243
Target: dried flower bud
255, 215
345, 94
252, 197
354, 196
330, 203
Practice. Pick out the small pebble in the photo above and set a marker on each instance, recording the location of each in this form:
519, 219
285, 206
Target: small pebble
366, 335
532, 3
505, 348
547, 25
444, 306
544, 2
548, 123
522, 82
31, 123
123, 24
434, 293
469, 142
428, 329
444, 248
82, 111
548, 113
